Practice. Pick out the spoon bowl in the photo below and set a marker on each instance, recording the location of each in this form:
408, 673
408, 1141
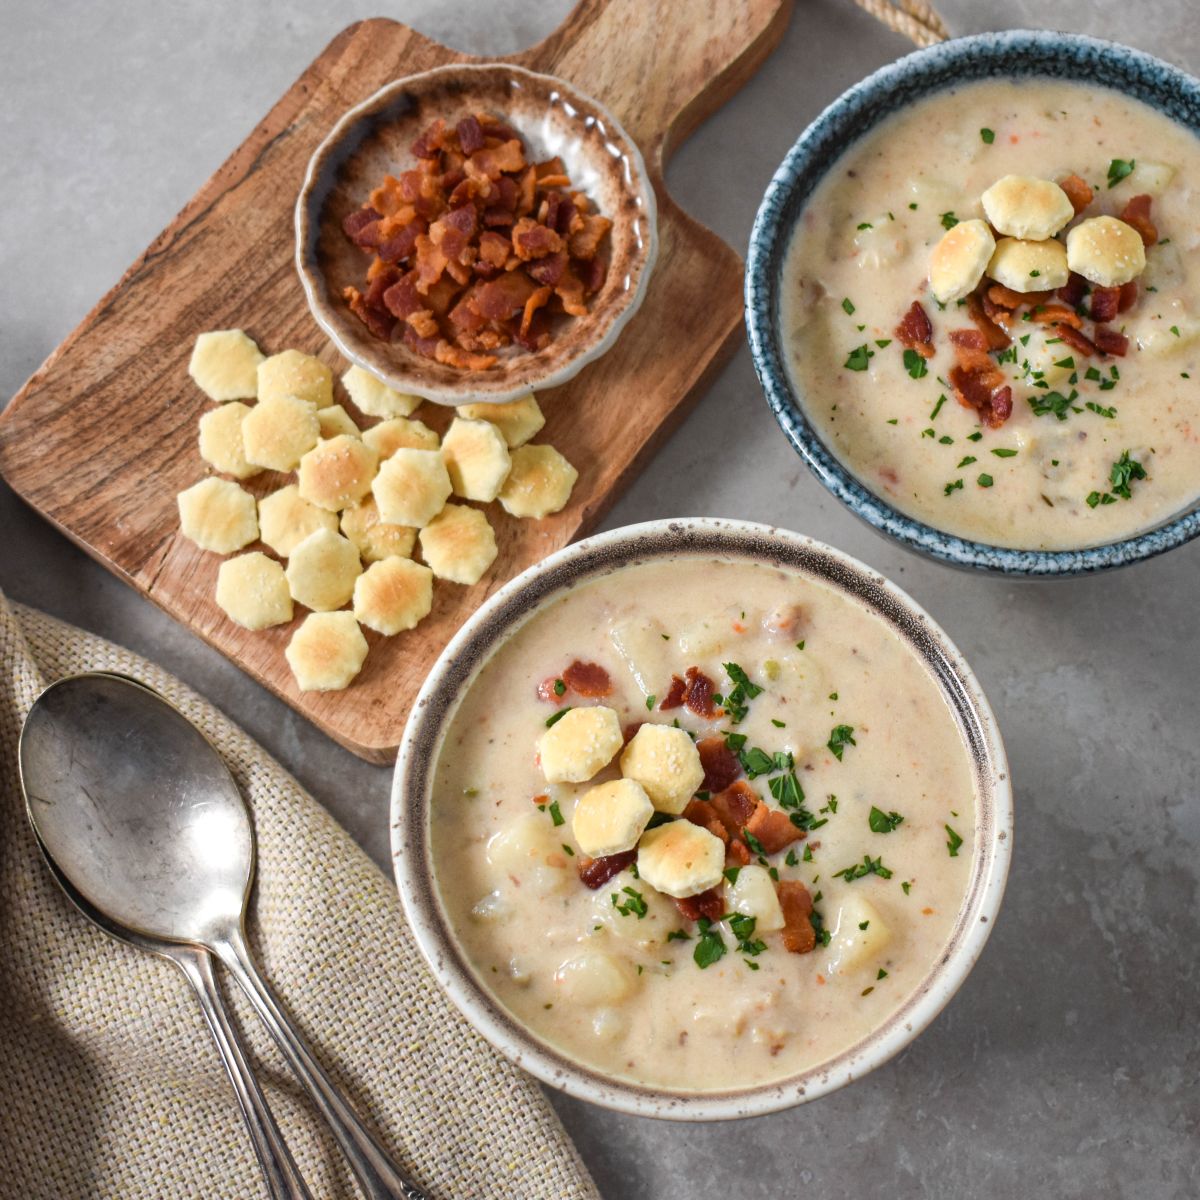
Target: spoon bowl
136, 808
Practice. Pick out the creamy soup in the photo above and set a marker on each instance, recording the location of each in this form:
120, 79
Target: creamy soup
1098, 447
832, 728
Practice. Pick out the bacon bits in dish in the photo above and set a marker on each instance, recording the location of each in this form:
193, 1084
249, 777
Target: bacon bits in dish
365, 497
476, 249
993, 313
702, 824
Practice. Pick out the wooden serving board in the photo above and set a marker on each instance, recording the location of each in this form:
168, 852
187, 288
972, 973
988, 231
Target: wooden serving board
103, 436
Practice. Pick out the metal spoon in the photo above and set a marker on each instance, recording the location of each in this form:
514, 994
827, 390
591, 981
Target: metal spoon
279, 1169
140, 813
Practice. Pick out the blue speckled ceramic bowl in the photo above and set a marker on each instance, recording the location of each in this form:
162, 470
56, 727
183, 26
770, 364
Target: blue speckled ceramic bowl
1019, 53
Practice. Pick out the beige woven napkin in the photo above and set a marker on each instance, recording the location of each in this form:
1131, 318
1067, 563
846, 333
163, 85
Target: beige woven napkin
110, 1085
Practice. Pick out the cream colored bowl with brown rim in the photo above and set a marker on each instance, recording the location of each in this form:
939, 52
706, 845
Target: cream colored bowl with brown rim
374, 139
674, 540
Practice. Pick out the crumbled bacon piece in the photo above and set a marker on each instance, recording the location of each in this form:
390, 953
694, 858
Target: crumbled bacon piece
596, 872
735, 805
489, 250
1006, 297
1105, 303
588, 679
1110, 341
772, 828
700, 812
799, 936
737, 853
721, 766
984, 390
1055, 314
915, 331
1129, 296
1137, 213
710, 904
988, 315
675, 694
1075, 339
1078, 190
698, 695
1073, 291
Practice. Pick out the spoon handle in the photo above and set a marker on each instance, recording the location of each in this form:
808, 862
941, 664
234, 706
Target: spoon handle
377, 1175
283, 1179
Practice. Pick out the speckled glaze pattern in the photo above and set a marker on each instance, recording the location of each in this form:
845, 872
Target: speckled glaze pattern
555, 119
709, 539
1019, 54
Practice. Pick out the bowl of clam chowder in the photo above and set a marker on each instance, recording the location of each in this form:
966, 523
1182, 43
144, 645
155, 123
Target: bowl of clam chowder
701, 819
973, 302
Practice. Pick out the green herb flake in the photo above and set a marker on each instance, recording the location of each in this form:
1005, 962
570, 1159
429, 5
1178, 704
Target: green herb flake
906, 886
937, 408
1124, 471
1004, 452
988, 136
568, 851
882, 974
975, 437
865, 225
559, 687
556, 814
840, 737
883, 343
710, 947
883, 822
954, 841
778, 724
1175, 330
554, 718
848, 307
635, 905
953, 486
966, 461
791, 860
985, 480
679, 935
914, 364
1118, 169
868, 866
949, 220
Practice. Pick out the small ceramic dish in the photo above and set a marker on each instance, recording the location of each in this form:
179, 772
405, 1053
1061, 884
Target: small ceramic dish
374, 139
707, 540
1017, 54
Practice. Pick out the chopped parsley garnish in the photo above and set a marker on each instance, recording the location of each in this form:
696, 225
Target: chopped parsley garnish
753, 842
556, 814
559, 687
735, 704
807, 855
679, 935
865, 225
954, 842
817, 920
966, 461
791, 860
840, 737
635, 905
1004, 452
868, 866
1067, 364
859, 358
848, 307
907, 886
1100, 410
985, 481
711, 946
953, 486
937, 408
988, 136
1124, 471
554, 718
883, 822
945, 440
650, 702
1051, 403
883, 343
882, 974
568, 851
975, 437
786, 791
949, 220
914, 364
731, 874
778, 724
743, 929
1118, 169
756, 762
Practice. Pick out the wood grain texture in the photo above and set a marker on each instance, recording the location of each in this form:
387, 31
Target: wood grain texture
103, 435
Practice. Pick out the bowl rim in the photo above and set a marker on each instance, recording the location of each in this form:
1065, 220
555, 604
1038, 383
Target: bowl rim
768, 236
306, 213
663, 539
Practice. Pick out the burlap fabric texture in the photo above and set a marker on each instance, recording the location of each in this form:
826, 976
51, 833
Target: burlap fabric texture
110, 1085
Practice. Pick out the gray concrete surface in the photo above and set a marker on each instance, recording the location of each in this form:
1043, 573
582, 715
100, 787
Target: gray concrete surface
1068, 1065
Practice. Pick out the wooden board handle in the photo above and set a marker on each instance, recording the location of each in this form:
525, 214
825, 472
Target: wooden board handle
678, 63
